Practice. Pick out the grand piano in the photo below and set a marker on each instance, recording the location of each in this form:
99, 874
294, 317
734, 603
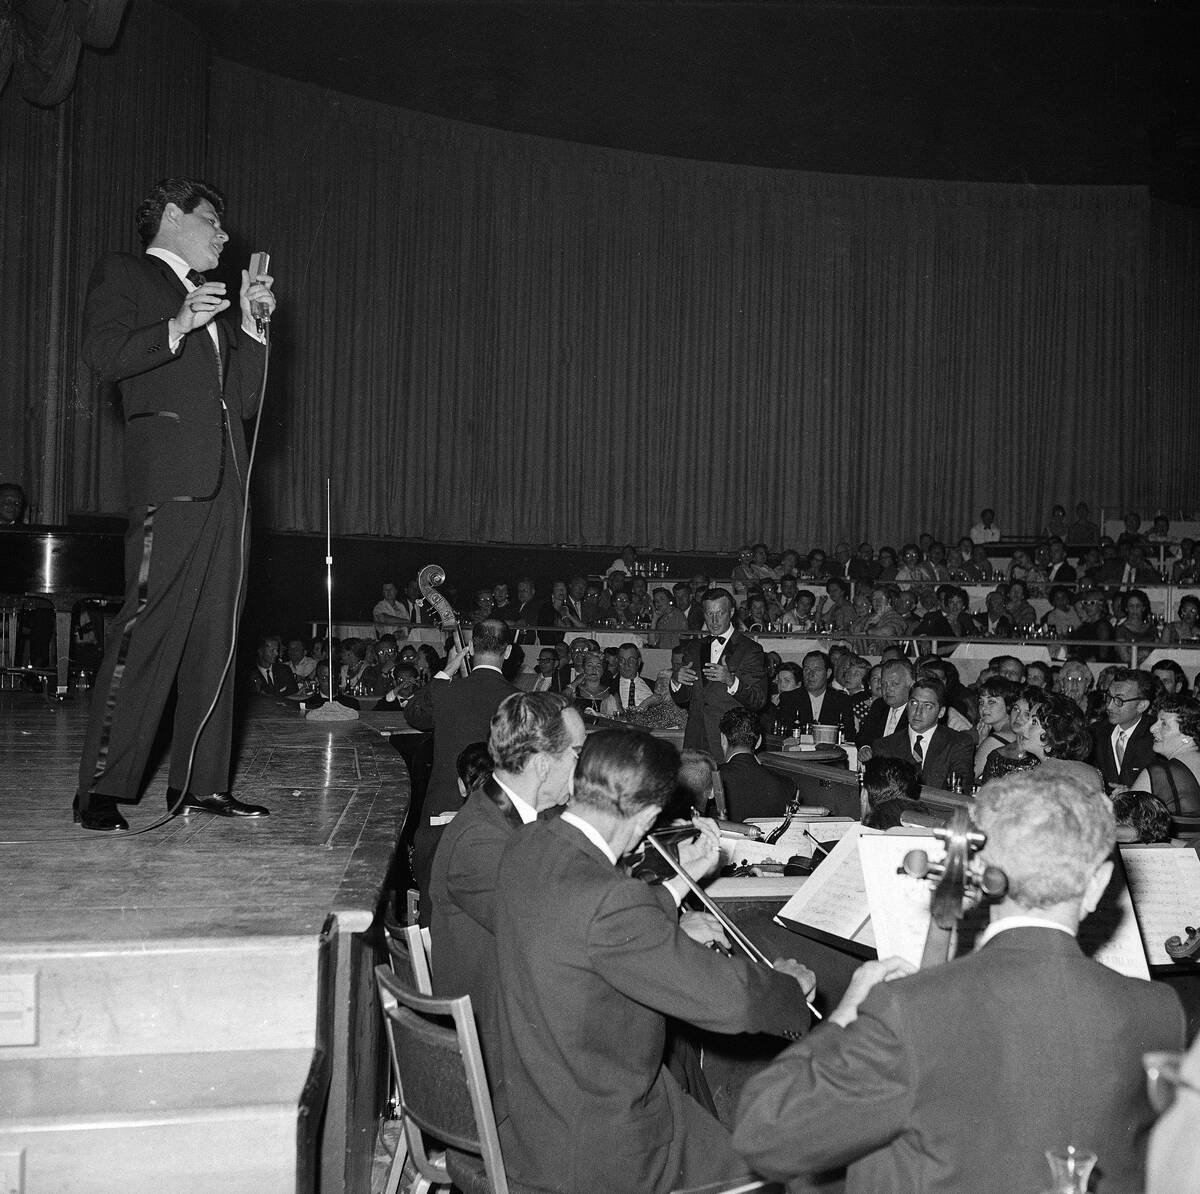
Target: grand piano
57, 568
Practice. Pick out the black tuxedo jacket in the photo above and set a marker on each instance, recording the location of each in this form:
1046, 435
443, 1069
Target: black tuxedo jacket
706, 703
1139, 752
590, 963
950, 752
179, 443
836, 710
1055, 1043
462, 892
459, 712
875, 722
282, 682
753, 791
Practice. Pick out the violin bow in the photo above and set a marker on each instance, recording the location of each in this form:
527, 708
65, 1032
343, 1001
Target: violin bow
736, 935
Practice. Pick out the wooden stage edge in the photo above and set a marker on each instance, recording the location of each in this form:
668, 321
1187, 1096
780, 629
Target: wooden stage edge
247, 943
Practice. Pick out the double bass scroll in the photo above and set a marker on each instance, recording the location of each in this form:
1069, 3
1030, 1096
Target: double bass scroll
428, 580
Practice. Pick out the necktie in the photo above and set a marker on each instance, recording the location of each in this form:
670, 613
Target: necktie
195, 277
918, 752
1119, 751
632, 703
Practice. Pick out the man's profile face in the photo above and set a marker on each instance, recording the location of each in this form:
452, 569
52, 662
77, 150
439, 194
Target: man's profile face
565, 761
268, 652
786, 681
197, 235
923, 709
816, 674
717, 615
629, 663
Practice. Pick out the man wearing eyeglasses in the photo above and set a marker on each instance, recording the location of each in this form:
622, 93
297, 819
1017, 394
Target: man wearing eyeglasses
1123, 745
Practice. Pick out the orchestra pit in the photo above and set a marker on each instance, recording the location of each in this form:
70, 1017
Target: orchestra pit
599, 598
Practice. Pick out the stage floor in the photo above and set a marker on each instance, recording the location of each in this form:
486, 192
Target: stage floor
337, 792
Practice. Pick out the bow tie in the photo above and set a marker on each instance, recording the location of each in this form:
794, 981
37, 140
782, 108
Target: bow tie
195, 277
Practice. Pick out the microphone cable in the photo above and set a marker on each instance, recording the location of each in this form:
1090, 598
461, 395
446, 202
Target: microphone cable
263, 325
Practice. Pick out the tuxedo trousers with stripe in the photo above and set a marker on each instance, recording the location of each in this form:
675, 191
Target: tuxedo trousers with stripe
172, 636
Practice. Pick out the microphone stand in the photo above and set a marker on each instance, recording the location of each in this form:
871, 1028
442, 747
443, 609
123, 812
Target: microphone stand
332, 710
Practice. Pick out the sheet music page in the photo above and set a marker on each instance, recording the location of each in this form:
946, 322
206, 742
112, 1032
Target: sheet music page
834, 898
1110, 934
899, 903
1164, 882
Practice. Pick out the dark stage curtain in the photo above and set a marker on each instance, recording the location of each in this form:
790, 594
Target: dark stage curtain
487, 336
71, 178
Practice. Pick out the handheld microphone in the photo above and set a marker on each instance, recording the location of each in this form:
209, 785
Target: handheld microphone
260, 263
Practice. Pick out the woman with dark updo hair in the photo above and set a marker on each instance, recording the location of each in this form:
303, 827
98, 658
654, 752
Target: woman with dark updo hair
1051, 732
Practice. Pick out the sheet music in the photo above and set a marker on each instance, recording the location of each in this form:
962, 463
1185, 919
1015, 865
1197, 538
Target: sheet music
1164, 882
1110, 934
834, 898
899, 903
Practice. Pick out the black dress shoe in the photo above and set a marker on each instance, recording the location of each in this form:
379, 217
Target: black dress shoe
101, 814
220, 804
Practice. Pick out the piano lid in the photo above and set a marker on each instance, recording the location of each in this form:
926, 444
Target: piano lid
51, 561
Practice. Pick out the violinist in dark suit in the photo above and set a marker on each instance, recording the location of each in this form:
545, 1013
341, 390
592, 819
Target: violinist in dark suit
590, 963
959, 1078
458, 709
534, 740
937, 751
724, 669
187, 378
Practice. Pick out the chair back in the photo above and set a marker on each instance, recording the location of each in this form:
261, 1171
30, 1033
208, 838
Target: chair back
438, 1068
408, 953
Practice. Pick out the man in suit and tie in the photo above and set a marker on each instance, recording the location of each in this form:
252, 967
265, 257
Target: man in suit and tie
750, 789
553, 674
819, 704
719, 672
458, 709
629, 689
938, 751
960, 1077
1122, 747
889, 712
151, 326
534, 741
532, 612
590, 964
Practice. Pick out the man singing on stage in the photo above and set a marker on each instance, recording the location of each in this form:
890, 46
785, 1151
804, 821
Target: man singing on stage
187, 380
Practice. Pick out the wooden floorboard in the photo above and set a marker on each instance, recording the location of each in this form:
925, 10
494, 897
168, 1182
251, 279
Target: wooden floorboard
337, 792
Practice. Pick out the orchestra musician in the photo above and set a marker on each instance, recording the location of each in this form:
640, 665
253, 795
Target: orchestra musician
590, 963
962, 1076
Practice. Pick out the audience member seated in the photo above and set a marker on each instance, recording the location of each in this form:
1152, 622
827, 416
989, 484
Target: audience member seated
532, 612
752, 617
835, 609
271, 676
986, 530
995, 622
592, 688
913, 569
1172, 679
884, 626
890, 788
625, 563
962, 710
1052, 733
959, 1078
1122, 744
668, 617
751, 790
303, 665
1018, 608
1083, 532
997, 696
629, 690
1141, 817
12, 505
889, 566
956, 607
889, 712
940, 754
502, 604
1186, 627
863, 569
1093, 625
1056, 525
552, 675
590, 965
1039, 675
789, 565
1138, 570
390, 611
1174, 775
1061, 617
1075, 681
817, 703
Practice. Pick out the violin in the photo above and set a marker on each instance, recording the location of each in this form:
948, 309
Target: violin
962, 884
1185, 948
428, 580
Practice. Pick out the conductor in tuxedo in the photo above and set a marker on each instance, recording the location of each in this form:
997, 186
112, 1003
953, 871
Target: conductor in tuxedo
590, 964
458, 709
719, 672
534, 741
153, 326
937, 751
962, 1076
